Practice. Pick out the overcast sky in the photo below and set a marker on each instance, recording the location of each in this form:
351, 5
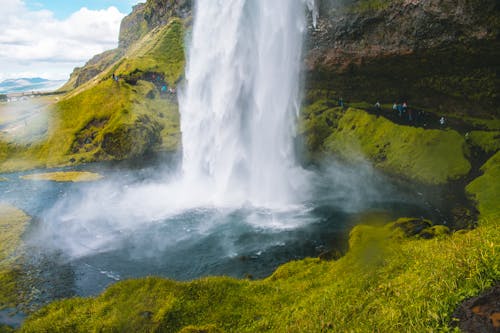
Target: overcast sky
48, 38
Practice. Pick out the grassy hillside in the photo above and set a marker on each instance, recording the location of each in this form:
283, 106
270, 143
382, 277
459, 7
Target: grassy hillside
106, 120
428, 156
387, 282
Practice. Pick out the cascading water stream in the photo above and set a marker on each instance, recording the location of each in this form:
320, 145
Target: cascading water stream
239, 108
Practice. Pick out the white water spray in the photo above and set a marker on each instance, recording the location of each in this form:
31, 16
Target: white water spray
239, 108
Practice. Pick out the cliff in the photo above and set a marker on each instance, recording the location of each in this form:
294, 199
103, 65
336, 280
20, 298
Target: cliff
442, 55
144, 18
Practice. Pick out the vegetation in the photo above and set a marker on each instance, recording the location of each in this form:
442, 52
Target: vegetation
12, 225
486, 189
160, 51
428, 156
65, 176
107, 120
489, 142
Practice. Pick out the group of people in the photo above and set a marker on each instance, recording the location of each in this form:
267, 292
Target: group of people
164, 89
402, 109
411, 114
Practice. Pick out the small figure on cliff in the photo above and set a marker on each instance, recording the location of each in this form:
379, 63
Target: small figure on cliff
405, 107
400, 109
341, 102
377, 106
442, 121
394, 107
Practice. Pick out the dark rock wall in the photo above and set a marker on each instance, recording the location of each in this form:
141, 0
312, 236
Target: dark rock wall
439, 54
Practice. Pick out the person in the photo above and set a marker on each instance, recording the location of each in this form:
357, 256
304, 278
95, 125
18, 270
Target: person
341, 102
394, 107
377, 106
442, 121
405, 106
400, 109
163, 89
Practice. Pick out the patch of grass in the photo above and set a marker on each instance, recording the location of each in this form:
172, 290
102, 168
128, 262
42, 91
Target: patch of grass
64, 176
160, 51
486, 189
12, 225
428, 156
489, 142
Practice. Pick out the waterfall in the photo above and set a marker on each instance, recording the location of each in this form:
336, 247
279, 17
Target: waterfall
241, 100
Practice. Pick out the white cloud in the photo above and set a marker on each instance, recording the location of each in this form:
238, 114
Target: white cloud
37, 42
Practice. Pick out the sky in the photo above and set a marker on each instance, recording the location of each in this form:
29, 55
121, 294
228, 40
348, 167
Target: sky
48, 38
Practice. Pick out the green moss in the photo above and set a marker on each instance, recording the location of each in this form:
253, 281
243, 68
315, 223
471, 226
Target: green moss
160, 51
435, 231
200, 329
12, 225
486, 189
429, 156
489, 142
318, 121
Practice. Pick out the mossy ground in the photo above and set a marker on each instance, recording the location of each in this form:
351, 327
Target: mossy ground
486, 189
12, 225
489, 142
427, 156
65, 176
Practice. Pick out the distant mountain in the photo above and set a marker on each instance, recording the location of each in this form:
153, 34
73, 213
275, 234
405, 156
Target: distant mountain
29, 84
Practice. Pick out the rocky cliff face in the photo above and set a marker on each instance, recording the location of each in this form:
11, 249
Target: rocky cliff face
150, 15
144, 18
439, 54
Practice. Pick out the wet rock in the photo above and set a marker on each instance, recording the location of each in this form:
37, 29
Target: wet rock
412, 226
480, 314
435, 231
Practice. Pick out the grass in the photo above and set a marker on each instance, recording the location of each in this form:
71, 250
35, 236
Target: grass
12, 225
387, 282
68, 176
160, 51
106, 120
489, 142
486, 189
427, 156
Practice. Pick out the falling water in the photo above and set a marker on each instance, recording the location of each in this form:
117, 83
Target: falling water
239, 108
